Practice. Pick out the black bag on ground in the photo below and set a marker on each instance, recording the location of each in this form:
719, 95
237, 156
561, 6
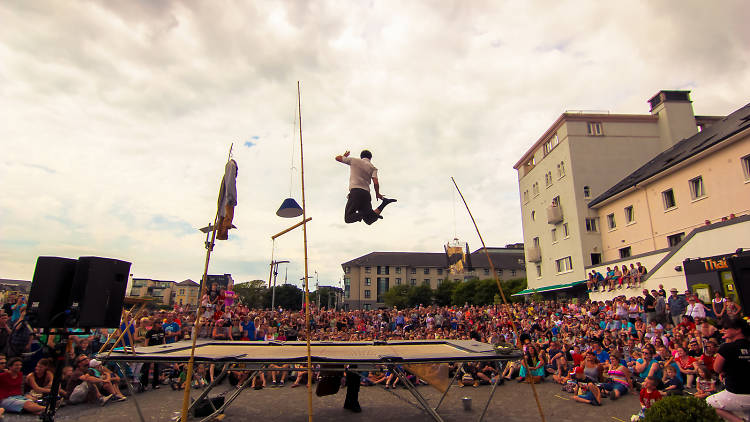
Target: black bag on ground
203, 408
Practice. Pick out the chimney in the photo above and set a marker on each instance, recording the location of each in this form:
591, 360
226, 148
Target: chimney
676, 118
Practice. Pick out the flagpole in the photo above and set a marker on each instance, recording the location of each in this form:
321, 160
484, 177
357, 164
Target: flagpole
194, 335
307, 289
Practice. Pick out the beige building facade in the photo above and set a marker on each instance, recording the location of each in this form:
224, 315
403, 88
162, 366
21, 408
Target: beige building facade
367, 278
186, 293
162, 291
577, 159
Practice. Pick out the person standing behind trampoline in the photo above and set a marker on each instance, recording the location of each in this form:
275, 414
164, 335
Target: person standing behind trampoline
358, 205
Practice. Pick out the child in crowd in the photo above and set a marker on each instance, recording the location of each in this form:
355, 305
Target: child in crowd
705, 383
672, 383
649, 395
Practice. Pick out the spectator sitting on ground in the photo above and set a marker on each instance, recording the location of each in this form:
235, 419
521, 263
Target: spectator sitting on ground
39, 382
83, 387
587, 392
649, 394
705, 383
11, 390
620, 380
672, 383
109, 382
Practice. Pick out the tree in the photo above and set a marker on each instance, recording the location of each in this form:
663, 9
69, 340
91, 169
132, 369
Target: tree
420, 295
464, 292
397, 296
485, 292
444, 292
252, 294
288, 296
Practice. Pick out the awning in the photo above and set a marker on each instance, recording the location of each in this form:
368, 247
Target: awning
549, 288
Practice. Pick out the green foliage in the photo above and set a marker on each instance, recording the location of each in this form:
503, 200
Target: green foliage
444, 292
681, 409
252, 294
464, 292
420, 295
288, 296
397, 296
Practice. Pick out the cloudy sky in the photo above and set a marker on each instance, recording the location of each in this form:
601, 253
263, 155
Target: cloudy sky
116, 117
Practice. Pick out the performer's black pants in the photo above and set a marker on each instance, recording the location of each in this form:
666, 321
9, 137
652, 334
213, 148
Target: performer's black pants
352, 387
144, 374
359, 207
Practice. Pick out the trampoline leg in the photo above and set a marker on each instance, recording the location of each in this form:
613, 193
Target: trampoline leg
458, 371
422, 401
230, 399
492, 391
210, 387
130, 390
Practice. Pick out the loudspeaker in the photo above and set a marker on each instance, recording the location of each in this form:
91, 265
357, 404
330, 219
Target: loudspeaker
50, 291
98, 292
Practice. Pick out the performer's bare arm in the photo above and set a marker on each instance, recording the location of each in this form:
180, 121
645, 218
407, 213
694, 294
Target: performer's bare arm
376, 185
340, 158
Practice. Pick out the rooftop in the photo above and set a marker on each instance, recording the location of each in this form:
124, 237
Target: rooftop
683, 150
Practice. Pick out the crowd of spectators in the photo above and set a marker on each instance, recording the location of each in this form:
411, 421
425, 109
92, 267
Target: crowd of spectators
650, 345
616, 278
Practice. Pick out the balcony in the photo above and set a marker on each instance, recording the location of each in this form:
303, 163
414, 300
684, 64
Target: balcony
554, 214
535, 254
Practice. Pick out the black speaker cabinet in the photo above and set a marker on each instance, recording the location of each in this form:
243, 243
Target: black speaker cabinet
50, 291
98, 292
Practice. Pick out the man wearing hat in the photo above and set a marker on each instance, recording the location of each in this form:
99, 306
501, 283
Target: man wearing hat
677, 305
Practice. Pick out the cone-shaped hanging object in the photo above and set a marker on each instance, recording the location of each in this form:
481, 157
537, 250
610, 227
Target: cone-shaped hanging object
289, 209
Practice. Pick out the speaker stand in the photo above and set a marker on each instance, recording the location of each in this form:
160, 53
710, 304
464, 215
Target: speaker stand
58, 356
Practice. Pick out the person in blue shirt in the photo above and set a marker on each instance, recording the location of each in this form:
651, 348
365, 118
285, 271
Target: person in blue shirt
601, 354
171, 330
248, 326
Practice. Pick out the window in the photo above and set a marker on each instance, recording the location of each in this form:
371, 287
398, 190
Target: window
512, 273
538, 270
561, 169
556, 201
535, 189
566, 234
413, 282
674, 239
611, 224
398, 281
625, 252
629, 216
440, 281
548, 146
182, 291
535, 241
398, 270
592, 225
533, 215
368, 281
596, 258
746, 167
486, 271
548, 179
499, 271
367, 270
367, 294
525, 196
347, 269
367, 306
427, 282
668, 198
440, 271
594, 128
426, 270
564, 264
554, 235
413, 270
697, 190
385, 270
586, 192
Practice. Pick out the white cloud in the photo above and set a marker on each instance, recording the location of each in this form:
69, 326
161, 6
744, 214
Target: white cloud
117, 116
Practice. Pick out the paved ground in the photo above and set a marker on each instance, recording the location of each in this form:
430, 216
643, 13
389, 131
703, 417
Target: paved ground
512, 402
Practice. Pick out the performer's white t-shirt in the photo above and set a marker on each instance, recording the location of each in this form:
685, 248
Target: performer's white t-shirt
361, 173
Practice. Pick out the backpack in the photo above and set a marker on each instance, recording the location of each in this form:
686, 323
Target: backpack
19, 339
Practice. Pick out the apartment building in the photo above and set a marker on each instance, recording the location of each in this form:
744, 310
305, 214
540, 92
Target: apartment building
576, 160
367, 278
699, 186
186, 293
163, 291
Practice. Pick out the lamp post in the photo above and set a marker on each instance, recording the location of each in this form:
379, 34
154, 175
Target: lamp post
275, 269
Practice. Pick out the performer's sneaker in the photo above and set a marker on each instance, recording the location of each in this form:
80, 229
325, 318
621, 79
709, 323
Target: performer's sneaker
387, 201
353, 407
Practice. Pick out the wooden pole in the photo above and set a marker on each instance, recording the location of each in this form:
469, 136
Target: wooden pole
307, 289
497, 281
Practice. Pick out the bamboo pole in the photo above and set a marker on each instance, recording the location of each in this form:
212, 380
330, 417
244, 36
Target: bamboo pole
497, 281
285, 231
194, 335
307, 290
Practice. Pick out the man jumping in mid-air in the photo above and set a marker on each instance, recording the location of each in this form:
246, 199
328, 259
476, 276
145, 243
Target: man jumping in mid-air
359, 206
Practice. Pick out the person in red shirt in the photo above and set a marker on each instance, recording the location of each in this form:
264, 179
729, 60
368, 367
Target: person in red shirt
709, 355
688, 366
11, 390
649, 393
